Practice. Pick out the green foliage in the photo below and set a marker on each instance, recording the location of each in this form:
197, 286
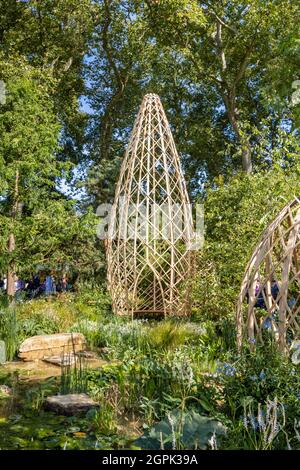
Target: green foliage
42, 220
258, 376
37, 325
119, 335
9, 331
71, 312
41, 130
225, 49
44, 33
106, 419
169, 335
188, 430
264, 427
236, 213
93, 301
225, 72
35, 395
73, 376
45, 431
170, 387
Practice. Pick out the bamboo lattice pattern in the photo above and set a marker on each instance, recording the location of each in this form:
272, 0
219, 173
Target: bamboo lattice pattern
269, 300
151, 226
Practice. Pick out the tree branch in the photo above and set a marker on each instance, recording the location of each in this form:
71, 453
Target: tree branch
106, 46
222, 22
220, 46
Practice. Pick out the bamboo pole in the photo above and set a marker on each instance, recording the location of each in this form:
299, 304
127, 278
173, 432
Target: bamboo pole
275, 262
148, 272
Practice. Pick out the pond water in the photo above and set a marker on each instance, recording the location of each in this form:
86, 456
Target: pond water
25, 425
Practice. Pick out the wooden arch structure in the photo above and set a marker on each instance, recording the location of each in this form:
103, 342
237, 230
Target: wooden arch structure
151, 227
269, 300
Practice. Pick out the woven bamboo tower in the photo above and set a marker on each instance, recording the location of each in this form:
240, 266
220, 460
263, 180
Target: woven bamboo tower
269, 300
149, 263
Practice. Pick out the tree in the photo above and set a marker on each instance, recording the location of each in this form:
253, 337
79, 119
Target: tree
229, 45
29, 133
38, 222
117, 69
235, 216
53, 35
42, 132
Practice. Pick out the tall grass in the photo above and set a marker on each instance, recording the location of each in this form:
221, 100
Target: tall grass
145, 337
73, 375
169, 335
9, 331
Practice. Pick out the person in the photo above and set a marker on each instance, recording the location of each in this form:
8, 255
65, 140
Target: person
62, 284
260, 303
20, 284
270, 321
274, 289
19, 287
292, 302
33, 287
29, 289
259, 293
49, 285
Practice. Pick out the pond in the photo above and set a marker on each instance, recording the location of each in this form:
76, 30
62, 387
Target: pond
24, 424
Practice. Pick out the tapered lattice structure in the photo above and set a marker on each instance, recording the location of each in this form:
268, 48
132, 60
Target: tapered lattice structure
151, 228
269, 301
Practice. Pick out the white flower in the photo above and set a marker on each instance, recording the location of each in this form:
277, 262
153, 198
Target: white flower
213, 442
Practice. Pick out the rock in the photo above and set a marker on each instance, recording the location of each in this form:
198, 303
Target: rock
87, 354
5, 391
65, 359
69, 359
104, 350
38, 347
71, 404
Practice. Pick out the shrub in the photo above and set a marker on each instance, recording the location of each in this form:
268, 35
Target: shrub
170, 334
188, 430
236, 213
37, 325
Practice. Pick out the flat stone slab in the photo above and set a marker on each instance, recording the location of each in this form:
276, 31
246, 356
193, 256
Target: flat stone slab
67, 359
90, 355
38, 347
71, 404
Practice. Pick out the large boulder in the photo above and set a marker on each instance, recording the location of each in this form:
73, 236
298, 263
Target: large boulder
71, 404
38, 347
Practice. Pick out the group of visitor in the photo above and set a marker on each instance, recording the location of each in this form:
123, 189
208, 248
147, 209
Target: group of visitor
39, 284
271, 320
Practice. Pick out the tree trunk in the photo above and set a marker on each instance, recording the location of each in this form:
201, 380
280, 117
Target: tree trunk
11, 268
11, 240
246, 157
243, 141
228, 92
